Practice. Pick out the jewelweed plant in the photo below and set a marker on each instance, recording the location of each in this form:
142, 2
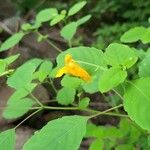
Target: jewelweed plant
82, 70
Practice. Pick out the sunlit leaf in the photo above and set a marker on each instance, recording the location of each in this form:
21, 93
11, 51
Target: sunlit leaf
12, 41
75, 8
63, 133
7, 140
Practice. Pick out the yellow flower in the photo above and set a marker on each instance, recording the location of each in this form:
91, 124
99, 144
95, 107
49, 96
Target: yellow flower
72, 68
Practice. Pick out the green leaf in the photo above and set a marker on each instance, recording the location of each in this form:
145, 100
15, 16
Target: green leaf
21, 93
98, 144
90, 58
69, 30
129, 130
12, 41
83, 20
125, 147
137, 101
46, 15
148, 140
7, 140
57, 19
23, 76
44, 70
66, 95
93, 86
63, 133
75, 8
144, 66
146, 36
84, 102
133, 35
120, 54
26, 27
11, 59
102, 131
2, 67
17, 109
71, 82
111, 78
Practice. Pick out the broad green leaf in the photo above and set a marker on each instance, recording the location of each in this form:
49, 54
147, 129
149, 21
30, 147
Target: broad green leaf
23, 76
75, 8
71, 82
111, 78
83, 20
66, 95
92, 86
7, 140
46, 15
90, 58
120, 54
84, 102
60, 134
129, 130
137, 101
148, 140
57, 19
146, 36
69, 30
17, 109
12, 41
98, 144
144, 66
102, 131
21, 93
133, 35
44, 70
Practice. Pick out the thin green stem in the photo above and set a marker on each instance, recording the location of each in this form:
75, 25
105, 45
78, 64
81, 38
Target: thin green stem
38, 102
91, 64
109, 113
51, 83
49, 42
60, 108
7, 72
28, 117
104, 112
96, 111
116, 114
53, 45
118, 94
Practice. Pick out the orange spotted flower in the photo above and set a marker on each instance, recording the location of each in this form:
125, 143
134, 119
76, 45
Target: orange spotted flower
72, 68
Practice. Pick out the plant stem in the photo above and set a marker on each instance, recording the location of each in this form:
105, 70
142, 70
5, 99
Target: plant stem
116, 114
49, 42
36, 100
27, 118
60, 108
118, 94
53, 45
7, 72
51, 83
104, 112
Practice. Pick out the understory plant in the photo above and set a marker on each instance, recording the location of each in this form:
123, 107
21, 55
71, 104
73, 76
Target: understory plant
121, 73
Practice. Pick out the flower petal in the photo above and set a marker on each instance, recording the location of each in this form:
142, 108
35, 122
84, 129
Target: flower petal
61, 71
